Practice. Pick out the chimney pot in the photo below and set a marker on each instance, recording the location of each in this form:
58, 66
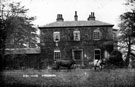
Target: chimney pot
59, 18
92, 13
91, 17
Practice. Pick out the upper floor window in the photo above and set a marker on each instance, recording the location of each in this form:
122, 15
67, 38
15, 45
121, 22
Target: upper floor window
96, 35
56, 36
76, 35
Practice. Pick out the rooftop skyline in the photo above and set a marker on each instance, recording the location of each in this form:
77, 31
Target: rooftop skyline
46, 10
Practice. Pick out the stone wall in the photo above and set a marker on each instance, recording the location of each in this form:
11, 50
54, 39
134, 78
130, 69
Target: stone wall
22, 61
66, 44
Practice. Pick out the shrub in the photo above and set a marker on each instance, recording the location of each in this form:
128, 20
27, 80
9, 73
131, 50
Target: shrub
116, 58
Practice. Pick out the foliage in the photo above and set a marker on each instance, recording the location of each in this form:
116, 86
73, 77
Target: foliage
18, 26
130, 3
16, 29
116, 58
2, 33
127, 29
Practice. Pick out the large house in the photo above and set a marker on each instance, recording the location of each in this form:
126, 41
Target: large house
82, 41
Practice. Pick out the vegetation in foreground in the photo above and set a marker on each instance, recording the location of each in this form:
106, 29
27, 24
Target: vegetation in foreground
75, 78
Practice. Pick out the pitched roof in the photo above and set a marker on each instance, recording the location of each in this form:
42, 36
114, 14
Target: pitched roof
76, 24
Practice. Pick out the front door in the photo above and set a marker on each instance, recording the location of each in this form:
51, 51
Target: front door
97, 54
78, 56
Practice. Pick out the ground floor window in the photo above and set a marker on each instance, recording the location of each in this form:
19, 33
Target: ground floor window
97, 54
57, 54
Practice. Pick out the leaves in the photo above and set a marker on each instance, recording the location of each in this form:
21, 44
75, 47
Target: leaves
130, 3
18, 26
127, 31
127, 25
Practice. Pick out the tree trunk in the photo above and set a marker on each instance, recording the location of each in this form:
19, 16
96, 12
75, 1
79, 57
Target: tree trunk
129, 51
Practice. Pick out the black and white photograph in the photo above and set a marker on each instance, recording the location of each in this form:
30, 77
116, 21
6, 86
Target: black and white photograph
67, 43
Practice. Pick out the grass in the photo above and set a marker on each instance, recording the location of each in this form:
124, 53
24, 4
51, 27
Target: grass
75, 78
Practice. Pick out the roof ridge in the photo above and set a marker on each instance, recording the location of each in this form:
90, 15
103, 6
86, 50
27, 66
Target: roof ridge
77, 23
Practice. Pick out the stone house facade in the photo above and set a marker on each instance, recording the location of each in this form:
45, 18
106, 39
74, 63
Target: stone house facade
82, 41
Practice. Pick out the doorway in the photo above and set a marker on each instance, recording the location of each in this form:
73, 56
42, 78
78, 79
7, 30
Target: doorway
77, 55
97, 54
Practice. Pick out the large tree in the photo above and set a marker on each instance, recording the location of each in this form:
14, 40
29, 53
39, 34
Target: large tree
2, 35
21, 32
16, 29
127, 29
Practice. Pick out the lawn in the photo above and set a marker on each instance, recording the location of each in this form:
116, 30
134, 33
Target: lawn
74, 78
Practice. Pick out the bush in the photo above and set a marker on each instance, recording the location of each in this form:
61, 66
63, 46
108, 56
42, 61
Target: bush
116, 58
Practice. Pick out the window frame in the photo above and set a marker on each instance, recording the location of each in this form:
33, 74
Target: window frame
98, 54
76, 34
56, 34
97, 34
57, 54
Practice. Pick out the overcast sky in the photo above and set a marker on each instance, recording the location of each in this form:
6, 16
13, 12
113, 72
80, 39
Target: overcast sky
46, 10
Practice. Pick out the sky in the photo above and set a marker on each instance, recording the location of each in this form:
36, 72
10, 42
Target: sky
46, 10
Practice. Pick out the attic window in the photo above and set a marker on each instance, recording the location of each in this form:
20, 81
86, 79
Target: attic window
76, 35
56, 36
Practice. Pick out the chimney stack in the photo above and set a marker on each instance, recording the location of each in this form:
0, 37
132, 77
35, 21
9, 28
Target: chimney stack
91, 17
76, 16
59, 18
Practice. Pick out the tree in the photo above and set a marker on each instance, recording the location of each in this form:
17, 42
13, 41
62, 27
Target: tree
21, 32
16, 29
3, 35
127, 29
116, 58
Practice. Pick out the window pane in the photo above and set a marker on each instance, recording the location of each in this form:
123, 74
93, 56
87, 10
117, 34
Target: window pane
56, 36
96, 35
97, 51
57, 55
77, 54
77, 35
97, 54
